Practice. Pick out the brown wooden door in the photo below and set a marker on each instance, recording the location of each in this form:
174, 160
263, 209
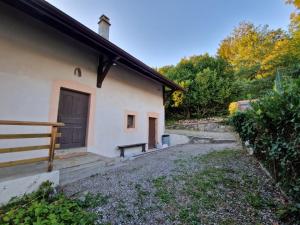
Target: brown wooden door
152, 133
72, 111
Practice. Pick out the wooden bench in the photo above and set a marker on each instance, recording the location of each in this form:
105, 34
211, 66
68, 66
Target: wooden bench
123, 147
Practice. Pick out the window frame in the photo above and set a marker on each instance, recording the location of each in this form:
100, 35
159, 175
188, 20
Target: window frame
135, 119
132, 123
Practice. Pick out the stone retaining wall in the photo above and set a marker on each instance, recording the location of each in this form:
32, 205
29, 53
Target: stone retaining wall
209, 125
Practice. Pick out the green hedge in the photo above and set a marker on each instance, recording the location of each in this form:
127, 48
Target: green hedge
272, 129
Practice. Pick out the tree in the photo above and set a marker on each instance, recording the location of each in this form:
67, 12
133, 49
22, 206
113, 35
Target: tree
244, 68
248, 46
208, 81
295, 16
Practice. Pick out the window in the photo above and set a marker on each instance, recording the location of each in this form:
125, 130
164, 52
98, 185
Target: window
130, 121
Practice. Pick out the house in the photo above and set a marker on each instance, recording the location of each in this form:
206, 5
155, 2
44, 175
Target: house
53, 68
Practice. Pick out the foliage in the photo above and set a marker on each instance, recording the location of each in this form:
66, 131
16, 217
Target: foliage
295, 16
233, 107
248, 46
272, 129
245, 67
251, 89
208, 84
47, 207
279, 49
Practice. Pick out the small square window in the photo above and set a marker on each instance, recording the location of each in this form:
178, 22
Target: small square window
130, 121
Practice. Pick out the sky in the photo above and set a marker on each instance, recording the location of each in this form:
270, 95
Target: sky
161, 32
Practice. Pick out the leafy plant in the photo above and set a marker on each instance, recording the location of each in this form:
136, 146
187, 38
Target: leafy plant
45, 206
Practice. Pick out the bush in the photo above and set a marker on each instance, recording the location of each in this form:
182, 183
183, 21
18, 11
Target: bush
47, 207
232, 108
272, 128
244, 124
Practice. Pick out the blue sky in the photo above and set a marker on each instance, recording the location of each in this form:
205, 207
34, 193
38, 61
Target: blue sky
161, 32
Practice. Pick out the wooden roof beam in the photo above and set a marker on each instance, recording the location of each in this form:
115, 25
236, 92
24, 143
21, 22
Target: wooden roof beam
104, 66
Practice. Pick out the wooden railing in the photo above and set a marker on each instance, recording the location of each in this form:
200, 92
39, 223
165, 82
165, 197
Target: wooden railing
51, 146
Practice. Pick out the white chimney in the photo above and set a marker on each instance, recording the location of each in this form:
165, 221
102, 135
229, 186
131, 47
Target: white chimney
104, 25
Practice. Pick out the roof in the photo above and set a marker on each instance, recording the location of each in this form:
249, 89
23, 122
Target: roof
53, 17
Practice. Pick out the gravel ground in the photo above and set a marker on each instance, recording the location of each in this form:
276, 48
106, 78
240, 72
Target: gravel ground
188, 184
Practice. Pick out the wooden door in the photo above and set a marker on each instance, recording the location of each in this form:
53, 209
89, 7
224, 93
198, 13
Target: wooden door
152, 133
72, 111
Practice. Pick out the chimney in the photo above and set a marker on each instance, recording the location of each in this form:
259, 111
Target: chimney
104, 27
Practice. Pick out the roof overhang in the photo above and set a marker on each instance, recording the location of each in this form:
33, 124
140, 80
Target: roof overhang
55, 18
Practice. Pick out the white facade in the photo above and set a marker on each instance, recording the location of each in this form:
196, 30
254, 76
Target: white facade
35, 61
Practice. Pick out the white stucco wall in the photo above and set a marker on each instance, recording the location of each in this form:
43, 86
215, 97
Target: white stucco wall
33, 57
25, 185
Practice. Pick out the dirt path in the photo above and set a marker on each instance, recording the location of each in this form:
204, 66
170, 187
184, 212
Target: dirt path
188, 184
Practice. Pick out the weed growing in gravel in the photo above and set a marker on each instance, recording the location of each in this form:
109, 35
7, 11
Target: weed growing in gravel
141, 193
255, 200
180, 162
162, 192
228, 221
92, 201
201, 186
189, 216
217, 155
215, 191
122, 210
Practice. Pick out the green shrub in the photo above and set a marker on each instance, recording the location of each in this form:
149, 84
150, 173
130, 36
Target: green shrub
244, 124
47, 207
272, 128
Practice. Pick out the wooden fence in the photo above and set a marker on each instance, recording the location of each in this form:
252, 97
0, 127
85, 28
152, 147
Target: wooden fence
51, 146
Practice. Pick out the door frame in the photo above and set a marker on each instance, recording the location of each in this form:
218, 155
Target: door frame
156, 117
77, 87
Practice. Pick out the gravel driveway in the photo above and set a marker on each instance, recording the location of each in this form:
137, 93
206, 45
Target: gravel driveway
188, 184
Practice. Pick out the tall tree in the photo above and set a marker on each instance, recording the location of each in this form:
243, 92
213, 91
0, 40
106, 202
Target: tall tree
247, 47
208, 82
295, 16
285, 56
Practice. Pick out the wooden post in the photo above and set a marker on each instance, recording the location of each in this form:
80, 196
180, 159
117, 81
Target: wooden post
52, 148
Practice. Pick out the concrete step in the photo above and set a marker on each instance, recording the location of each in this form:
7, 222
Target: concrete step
200, 140
75, 173
208, 140
67, 153
223, 141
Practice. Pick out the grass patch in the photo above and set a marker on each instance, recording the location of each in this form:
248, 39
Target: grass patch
203, 186
189, 216
162, 192
219, 185
92, 201
255, 200
141, 194
180, 162
228, 221
122, 210
217, 155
